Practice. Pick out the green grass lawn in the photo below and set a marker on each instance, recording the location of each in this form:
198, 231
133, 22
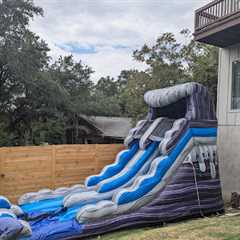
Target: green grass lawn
225, 227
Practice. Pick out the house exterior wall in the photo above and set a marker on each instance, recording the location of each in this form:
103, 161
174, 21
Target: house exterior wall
229, 125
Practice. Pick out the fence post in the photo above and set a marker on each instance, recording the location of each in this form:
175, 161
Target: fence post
1, 170
96, 159
53, 158
3, 154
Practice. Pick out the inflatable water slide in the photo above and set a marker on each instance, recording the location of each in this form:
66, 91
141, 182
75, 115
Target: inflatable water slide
168, 171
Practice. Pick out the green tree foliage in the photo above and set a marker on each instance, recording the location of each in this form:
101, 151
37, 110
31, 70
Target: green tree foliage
170, 62
15, 44
34, 94
74, 78
201, 63
38, 97
107, 87
22, 56
164, 60
49, 131
132, 95
105, 98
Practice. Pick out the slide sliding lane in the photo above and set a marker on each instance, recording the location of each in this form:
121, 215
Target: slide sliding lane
146, 184
45, 205
125, 157
53, 204
145, 187
138, 166
128, 173
109, 171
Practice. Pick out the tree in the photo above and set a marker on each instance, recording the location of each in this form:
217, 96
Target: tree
164, 61
132, 95
107, 86
169, 62
201, 63
38, 98
74, 78
15, 41
22, 56
27, 94
105, 98
165, 68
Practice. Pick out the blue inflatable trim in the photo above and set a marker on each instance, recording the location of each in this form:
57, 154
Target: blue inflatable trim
148, 184
115, 183
4, 203
47, 205
55, 230
112, 170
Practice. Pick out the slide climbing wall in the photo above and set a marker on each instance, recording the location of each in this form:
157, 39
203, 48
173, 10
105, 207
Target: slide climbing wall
169, 171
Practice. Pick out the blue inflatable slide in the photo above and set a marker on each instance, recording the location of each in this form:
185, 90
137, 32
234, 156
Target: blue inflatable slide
168, 171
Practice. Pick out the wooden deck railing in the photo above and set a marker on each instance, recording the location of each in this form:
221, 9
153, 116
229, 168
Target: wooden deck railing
214, 12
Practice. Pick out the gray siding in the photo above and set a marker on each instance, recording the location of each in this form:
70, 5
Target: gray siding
229, 125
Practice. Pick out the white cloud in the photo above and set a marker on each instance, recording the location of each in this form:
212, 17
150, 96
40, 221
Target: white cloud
105, 24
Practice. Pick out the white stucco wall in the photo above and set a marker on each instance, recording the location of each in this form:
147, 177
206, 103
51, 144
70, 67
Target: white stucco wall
229, 125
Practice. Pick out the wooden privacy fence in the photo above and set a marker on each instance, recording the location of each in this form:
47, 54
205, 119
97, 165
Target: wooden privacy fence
27, 169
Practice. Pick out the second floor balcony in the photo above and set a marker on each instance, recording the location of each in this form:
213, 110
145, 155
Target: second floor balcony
218, 23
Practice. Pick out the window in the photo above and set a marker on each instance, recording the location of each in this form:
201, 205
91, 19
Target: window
235, 101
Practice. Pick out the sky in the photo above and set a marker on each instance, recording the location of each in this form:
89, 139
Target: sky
104, 33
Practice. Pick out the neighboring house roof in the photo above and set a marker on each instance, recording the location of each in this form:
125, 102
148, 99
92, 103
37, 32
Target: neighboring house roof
117, 127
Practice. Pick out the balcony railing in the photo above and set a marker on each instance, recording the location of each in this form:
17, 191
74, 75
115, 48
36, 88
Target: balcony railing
214, 12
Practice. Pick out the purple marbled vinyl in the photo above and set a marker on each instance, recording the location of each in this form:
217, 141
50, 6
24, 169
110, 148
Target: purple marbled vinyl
178, 200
